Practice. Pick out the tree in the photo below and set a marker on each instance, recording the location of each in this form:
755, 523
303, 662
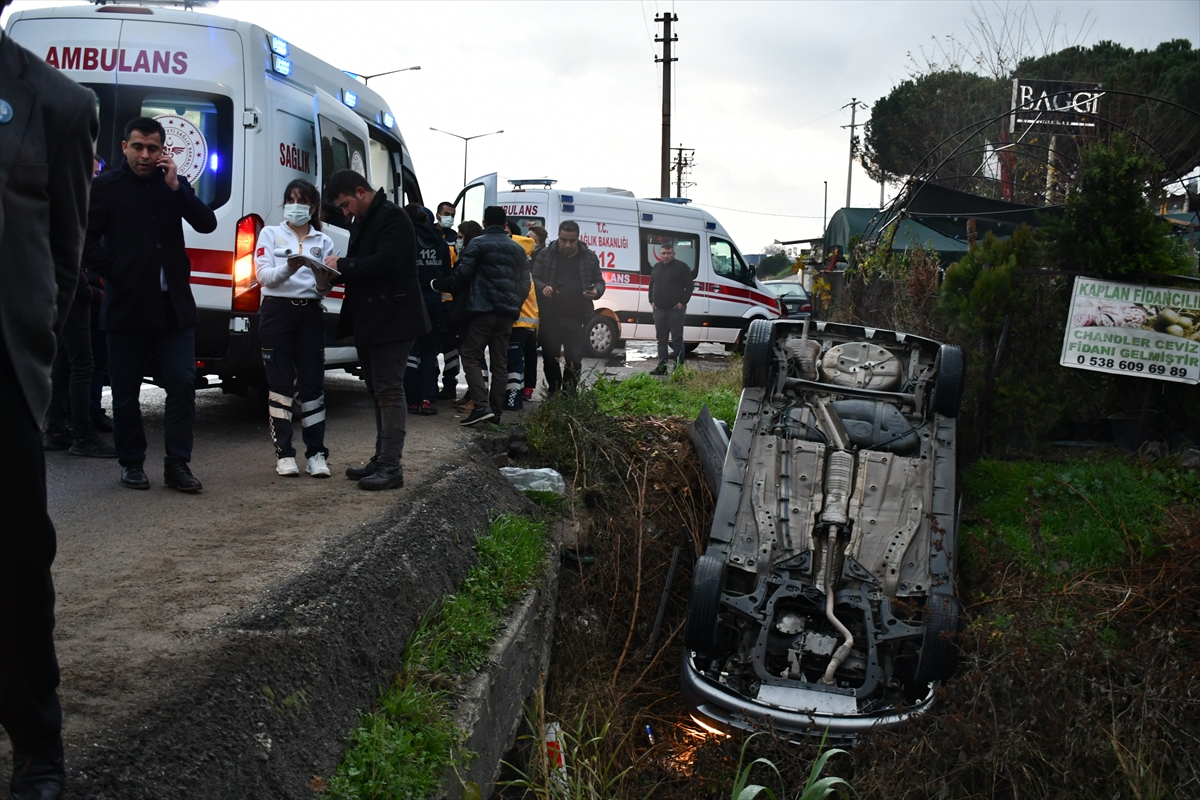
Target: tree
1108, 227
773, 262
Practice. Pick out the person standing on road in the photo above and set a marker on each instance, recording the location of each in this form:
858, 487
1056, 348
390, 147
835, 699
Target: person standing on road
383, 310
449, 343
493, 273
539, 236
291, 328
524, 329
670, 290
568, 279
138, 211
47, 126
433, 262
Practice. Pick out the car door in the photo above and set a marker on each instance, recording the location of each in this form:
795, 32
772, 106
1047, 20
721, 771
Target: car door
474, 198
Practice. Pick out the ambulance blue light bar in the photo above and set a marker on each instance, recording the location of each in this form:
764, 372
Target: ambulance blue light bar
388, 120
349, 98
279, 47
281, 65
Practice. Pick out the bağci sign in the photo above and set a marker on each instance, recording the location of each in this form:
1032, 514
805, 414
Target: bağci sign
1054, 107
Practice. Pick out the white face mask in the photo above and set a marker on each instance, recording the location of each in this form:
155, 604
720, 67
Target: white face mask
297, 213
458, 244
447, 221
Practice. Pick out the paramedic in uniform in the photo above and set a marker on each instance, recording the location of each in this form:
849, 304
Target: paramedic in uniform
568, 279
383, 310
449, 342
291, 328
148, 309
47, 125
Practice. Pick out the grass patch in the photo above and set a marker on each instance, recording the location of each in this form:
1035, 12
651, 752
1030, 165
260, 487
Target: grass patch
1074, 515
402, 749
682, 394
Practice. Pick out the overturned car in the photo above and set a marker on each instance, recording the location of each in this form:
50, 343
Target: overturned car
825, 599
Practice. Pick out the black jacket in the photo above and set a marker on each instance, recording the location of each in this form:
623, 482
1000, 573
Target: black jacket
545, 270
45, 164
135, 226
383, 300
433, 255
494, 273
671, 283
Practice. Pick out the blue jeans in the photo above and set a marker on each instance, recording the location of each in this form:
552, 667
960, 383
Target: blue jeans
129, 354
292, 338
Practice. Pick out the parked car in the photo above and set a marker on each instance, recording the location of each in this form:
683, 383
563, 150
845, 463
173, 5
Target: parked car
825, 598
794, 301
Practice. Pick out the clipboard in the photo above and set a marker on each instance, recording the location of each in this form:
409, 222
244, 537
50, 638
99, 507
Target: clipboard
308, 261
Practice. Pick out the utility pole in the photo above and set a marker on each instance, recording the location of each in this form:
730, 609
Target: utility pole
853, 106
666, 39
824, 209
684, 159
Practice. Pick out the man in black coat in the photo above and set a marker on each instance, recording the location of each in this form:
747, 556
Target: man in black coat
384, 311
47, 125
671, 288
568, 278
493, 272
135, 242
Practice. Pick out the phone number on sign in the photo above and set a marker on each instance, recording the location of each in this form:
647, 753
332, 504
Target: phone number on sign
1131, 366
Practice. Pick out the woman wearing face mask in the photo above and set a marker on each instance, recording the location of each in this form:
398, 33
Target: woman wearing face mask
291, 328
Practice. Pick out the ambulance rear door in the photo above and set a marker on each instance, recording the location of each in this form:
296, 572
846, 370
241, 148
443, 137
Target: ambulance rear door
474, 198
608, 226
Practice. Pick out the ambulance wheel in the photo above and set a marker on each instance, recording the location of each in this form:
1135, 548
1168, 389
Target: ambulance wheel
602, 336
948, 383
690, 347
704, 603
756, 361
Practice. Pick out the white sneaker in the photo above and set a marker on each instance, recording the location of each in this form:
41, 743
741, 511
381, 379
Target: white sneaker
316, 466
287, 466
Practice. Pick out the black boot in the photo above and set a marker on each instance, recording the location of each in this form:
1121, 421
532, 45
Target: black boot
358, 473
383, 478
37, 774
178, 476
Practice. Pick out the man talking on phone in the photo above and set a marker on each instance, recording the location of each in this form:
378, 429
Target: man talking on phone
135, 239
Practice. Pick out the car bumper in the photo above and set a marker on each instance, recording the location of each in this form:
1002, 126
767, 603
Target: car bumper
722, 709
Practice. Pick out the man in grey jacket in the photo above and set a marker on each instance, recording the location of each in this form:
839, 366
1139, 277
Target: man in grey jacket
47, 125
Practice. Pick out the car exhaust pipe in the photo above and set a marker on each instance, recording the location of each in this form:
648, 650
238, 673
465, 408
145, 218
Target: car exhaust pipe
837, 499
842, 652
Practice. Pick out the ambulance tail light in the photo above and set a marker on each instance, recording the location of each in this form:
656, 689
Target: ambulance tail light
246, 292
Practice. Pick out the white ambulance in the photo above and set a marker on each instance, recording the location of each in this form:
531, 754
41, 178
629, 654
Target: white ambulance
245, 113
626, 234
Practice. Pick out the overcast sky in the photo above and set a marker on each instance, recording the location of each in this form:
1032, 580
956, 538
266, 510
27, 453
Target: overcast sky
759, 87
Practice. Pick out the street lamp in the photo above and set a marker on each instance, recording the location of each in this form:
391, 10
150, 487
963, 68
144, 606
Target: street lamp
466, 141
366, 78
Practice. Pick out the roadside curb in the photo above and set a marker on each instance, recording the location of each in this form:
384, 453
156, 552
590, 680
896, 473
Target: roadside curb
491, 709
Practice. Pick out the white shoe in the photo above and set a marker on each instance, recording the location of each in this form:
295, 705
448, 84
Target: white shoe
316, 466
287, 466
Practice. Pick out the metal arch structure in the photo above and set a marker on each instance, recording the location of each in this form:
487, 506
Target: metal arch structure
932, 170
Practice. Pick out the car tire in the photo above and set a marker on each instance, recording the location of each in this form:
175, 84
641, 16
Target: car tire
690, 347
949, 381
603, 333
756, 362
708, 583
939, 646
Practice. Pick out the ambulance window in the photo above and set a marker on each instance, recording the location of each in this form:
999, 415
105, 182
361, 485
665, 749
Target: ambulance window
526, 223
686, 248
340, 149
382, 172
728, 263
199, 130
412, 189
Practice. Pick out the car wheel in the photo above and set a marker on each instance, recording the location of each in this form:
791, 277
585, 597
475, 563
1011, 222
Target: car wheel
939, 648
708, 582
756, 363
690, 347
948, 383
602, 336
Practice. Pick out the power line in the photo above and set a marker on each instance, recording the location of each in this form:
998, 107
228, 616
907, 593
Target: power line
760, 213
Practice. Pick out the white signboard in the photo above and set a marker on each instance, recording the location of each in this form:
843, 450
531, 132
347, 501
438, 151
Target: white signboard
1152, 331
614, 244
186, 145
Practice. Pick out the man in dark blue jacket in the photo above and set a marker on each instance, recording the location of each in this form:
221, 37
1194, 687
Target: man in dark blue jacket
383, 310
493, 271
135, 240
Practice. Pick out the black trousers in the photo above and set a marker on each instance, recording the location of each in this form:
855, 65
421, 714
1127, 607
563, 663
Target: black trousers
292, 338
383, 367
29, 708
71, 377
668, 322
531, 348
128, 357
513, 398
565, 334
490, 331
